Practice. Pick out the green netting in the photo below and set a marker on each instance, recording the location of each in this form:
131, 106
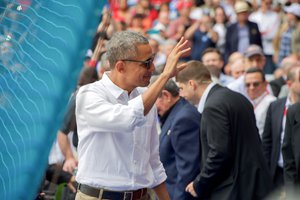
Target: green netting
42, 46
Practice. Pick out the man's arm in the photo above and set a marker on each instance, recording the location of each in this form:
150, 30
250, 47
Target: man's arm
267, 136
185, 138
161, 192
170, 70
70, 162
219, 157
290, 171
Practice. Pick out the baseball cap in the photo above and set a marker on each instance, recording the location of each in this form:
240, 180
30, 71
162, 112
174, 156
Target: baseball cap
241, 6
294, 9
253, 50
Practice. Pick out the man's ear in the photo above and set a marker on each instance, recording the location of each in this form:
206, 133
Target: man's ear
193, 84
120, 66
165, 93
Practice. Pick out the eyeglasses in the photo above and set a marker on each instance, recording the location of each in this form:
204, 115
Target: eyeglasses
147, 63
255, 84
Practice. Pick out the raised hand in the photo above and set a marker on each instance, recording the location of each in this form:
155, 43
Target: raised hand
171, 68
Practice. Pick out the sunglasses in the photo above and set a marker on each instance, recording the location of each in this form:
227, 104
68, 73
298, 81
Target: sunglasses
255, 84
147, 63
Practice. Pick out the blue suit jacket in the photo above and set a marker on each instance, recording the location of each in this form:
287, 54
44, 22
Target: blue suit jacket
180, 148
232, 37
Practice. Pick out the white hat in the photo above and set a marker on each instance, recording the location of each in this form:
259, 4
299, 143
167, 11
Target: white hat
241, 6
294, 9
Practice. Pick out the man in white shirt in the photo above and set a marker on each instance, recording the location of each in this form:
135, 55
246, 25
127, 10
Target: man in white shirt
256, 85
254, 58
118, 148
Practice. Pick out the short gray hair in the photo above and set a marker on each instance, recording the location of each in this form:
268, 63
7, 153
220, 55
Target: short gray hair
170, 86
123, 45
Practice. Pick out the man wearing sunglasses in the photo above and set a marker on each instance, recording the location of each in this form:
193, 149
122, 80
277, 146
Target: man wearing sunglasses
118, 149
256, 87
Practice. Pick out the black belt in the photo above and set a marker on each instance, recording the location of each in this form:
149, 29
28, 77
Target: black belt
126, 195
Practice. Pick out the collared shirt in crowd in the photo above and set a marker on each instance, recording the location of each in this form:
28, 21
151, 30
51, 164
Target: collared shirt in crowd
285, 44
261, 105
118, 146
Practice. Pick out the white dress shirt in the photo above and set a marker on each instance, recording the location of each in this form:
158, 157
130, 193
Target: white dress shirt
118, 146
204, 96
261, 105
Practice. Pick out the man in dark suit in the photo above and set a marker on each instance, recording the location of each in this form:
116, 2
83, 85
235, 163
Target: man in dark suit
179, 140
242, 33
233, 165
275, 126
291, 151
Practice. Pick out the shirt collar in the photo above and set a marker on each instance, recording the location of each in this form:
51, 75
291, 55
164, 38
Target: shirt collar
115, 90
259, 99
204, 96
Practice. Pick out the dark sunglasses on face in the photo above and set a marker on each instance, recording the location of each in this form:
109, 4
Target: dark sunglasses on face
255, 84
147, 63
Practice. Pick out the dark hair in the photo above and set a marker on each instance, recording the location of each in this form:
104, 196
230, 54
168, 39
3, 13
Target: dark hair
256, 70
170, 86
87, 75
226, 17
211, 50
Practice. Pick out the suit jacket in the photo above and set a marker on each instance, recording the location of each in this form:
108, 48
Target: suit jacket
271, 138
180, 148
232, 38
291, 146
233, 167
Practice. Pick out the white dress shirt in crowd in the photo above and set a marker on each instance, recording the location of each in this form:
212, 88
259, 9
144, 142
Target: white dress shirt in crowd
261, 105
204, 97
238, 85
286, 106
118, 146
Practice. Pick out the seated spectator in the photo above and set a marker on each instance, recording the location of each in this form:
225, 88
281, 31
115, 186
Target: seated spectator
243, 33
201, 36
254, 59
278, 85
220, 27
268, 23
288, 32
178, 26
238, 68
256, 85
213, 60
231, 59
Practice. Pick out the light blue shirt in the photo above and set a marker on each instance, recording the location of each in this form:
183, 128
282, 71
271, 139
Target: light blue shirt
244, 41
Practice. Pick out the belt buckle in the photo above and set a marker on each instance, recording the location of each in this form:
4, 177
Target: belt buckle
128, 196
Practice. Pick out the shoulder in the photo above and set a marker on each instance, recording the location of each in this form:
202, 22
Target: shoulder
278, 102
187, 110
